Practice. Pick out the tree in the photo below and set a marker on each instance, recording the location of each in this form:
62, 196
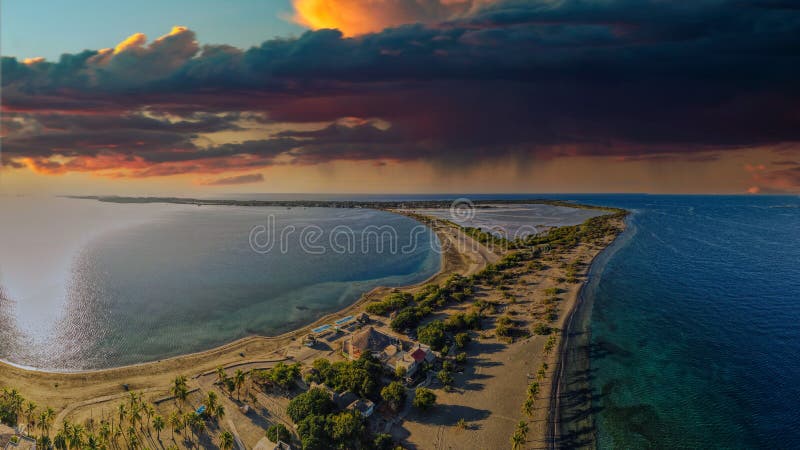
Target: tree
432, 334
462, 339
445, 377
226, 440
346, 428
424, 398
238, 381
179, 388
158, 425
175, 422
315, 402
221, 375
517, 441
278, 432
383, 441
395, 394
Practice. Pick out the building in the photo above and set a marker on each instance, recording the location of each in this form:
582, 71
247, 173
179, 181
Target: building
412, 360
364, 406
368, 340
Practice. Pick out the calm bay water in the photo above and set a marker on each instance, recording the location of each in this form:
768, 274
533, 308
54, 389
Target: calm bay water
695, 341
87, 284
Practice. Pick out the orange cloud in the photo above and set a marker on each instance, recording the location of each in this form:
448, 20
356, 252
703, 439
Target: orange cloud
133, 41
354, 17
30, 61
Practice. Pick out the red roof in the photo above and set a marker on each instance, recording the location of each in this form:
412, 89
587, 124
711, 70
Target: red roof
418, 355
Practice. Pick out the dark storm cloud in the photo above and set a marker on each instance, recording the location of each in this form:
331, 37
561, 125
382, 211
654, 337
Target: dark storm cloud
633, 79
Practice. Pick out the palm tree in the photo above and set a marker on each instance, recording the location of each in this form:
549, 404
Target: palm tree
238, 381
522, 428
30, 407
175, 422
179, 388
226, 440
44, 441
121, 413
211, 400
135, 414
133, 440
516, 441
149, 410
47, 416
158, 425
75, 438
60, 441
219, 412
221, 375
105, 432
92, 443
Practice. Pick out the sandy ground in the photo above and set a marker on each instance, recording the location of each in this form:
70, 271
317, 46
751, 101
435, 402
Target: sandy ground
490, 392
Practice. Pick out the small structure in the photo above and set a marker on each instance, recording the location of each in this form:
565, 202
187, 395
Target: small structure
368, 340
364, 406
413, 359
344, 399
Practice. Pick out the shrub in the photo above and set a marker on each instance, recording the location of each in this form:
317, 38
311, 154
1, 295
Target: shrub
462, 339
278, 432
542, 329
424, 398
432, 334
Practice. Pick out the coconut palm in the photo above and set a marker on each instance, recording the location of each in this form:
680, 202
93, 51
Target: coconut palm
104, 433
238, 381
221, 375
133, 439
179, 388
122, 412
30, 408
517, 440
75, 437
226, 440
175, 422
158, 425
60, 441
149, 411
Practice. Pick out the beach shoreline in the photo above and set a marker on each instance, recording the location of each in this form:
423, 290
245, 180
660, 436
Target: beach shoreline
573, 358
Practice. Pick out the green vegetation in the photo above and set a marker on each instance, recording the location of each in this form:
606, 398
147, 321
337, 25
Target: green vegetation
462, 339
392, 302
424, 398
362, 376
282, 375
432, 334
278, 432
394, 394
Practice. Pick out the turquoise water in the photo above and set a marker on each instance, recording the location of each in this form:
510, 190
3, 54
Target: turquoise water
150, 281
695, 325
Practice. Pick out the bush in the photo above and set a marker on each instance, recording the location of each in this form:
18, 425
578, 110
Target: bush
462, 339
542, 329
395, 394
424, 398
315, 402
278, 432
383, 441
408, 317
461, 358
432, 334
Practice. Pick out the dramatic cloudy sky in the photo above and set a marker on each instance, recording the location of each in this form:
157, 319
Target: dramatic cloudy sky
401, 96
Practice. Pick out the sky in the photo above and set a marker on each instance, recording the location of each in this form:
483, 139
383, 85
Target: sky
203, 97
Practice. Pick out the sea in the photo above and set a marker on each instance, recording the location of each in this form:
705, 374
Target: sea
690, 325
